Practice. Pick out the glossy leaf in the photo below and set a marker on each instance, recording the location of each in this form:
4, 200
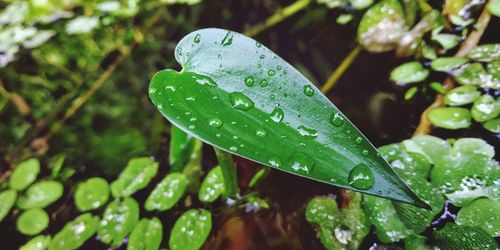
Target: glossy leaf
41, 194
461, 95
485, 53
454, 236
212, 186
483, 213
494, 7
471, 146
434, 149
118, 221
40, 242
263, 109
147, 235
191, 230
24, 174
493, 125
181, 147
447, 64
7, 201
407, 164
494, 68
409, 72
450, 117
485, 108
136, 176
75, 232
91, 194
32, 221
474, 74
167, 193
447, 41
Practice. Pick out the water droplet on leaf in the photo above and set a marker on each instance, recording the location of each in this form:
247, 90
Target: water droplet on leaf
300, 162
197, 38
271, 72
277, 114
215, 122
307, 132
263, 83
240, 101
249, 81
308, 90
337, 120
361, 177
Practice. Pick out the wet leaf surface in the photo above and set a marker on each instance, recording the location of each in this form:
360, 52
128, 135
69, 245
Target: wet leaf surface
167, 193
136, 176
118, 220
24, 174
191, 230
40, 195
75, 232
91, 194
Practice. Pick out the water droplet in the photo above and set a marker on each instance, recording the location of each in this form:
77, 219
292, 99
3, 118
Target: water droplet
219, 56
278, 67
258, 44
337, 120
307, 132
235, 137
361, 177
191, 127
170, 87
358, 140
215, 122
203, 80
263, 83
193, 119
274, 162
197, 38
190, 98
233, 148
262, 56
152, 91
300, 162
228, 39
308, 90
285, 72
272, 97
271, 72
260, 133
240, 101
249, 81
277, 114
364, 152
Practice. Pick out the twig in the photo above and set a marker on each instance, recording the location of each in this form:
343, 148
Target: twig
424, 127
341, 69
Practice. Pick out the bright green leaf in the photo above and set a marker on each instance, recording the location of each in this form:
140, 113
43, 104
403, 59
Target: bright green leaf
32, 221
258, 176
485, 108
181, 147
474, 74
212, 186
136, 176
485, 53
252, 111
416, 242
406, 164
410, 93
470, 146
450, 117
91, 194
493, 125
438, 87
147, 235
483, 213
118, 220
453, 237
190, 230
461, 95
493, 68
41, 194
409, 72
75, 232
447, 41
167, 193
434, 149
7, 200
24, 174
447, 64
494, 7
40, 242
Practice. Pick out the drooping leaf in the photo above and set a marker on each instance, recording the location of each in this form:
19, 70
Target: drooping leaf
91, 194
263, 109
75, 232
40, 195
450, 117
136, 176
147, 235
461, 95
453, 237
118, 220
409, 72
485, 108
181, 147
24, 174
191, 230
167, 193
40, 242
447, 64
32, 221
483, 213
212, 186
485, 53
7, 200
493, 125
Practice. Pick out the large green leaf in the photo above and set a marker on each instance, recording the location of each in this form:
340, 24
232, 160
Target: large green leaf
238, 95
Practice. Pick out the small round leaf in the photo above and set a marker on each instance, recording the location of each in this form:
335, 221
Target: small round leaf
409, 72
212, 186
147, 235
461, 95
485, 108
118, 221
485, 53
483, 213
75, 233
7, 200
191, 230
450, 117
32, 221
493, 125
167, 193
41, 194
24, 174
447, 64
91, 194
41, 242
136, 176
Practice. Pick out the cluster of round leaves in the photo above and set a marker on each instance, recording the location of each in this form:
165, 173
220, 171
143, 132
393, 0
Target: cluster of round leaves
470, 101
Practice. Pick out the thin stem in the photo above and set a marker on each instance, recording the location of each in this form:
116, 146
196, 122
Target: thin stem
341, 69
278, 17
228, 172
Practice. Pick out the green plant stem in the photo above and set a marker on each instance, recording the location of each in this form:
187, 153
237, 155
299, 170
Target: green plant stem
341, 69
277, 17
228, 172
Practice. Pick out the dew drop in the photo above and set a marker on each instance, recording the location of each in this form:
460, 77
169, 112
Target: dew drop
278, 67
364, 152
258, 44
263, 83
170, 87
274, 162
215, 122
205, 81
285, 72
262, 56
191, 127
152, 91
249, 81
271, 72
240, 101
228, 39
300, 162
272, 96
277, 114
260, 133
197, 38
190, 98
307, 132
358, 140
219, 56
308, 90
337, 120
361, 177
233, 148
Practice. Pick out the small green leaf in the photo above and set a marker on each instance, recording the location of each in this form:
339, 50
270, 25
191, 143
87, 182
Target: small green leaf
167, 193
493, 125
485, 108
75, 232
191, 230
474, 74
40, 242
407, 164
181, 147
485, 53
434, 149
147, 235
24, 174
429, 53
409, 72
344, 19
258, 176
410, 93
494, 7
91, 194
118, 220
255, 204
254, 112
483, 213
447, 64
32, 221
41, 194
136, 176
212, 186
447, 41
453, 237
493, 68
461, 95
438, 87
7, 200
450, 117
